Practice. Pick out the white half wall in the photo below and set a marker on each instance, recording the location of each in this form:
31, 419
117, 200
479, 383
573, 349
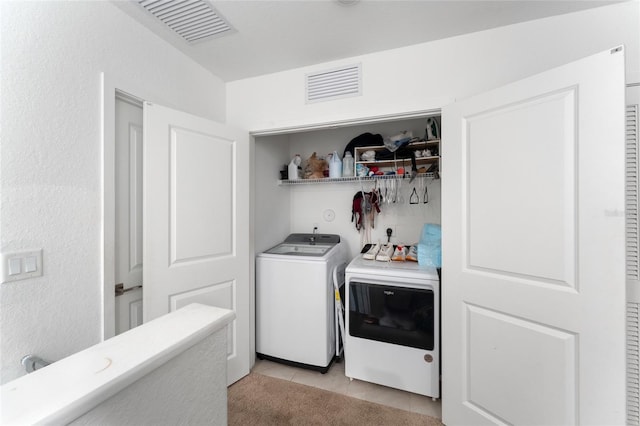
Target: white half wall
172, 370
53, 54
430, 75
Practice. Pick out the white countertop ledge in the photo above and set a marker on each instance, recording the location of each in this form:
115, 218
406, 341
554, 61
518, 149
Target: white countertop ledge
66, 389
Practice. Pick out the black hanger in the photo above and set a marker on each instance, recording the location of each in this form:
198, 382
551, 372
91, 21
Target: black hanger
413, 200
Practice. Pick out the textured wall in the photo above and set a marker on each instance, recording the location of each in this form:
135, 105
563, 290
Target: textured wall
186, 390
52, 57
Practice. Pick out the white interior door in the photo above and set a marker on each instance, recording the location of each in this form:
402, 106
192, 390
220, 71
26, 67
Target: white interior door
533, 291
128, 209
196, 221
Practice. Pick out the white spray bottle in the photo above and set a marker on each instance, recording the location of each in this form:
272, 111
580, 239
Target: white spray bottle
293, 167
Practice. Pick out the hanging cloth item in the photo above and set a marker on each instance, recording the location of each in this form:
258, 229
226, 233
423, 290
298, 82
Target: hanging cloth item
375, 200
365, 203
356, 210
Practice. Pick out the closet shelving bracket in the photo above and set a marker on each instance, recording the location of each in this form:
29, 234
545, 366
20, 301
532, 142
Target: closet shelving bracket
352, 179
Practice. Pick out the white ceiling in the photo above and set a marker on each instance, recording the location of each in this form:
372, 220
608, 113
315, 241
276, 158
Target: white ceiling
274, 36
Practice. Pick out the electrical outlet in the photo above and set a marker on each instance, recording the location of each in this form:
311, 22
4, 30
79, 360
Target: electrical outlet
388, 228
21, 265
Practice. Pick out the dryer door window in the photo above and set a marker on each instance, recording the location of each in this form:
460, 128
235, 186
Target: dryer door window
387, 313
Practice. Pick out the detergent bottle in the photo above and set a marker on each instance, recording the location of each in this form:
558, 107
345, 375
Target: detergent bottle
347, 165
335, 166
293, 168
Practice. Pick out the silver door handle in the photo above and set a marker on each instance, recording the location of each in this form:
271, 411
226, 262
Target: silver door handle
120, 290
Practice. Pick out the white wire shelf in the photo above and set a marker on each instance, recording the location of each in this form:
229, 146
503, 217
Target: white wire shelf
353, 179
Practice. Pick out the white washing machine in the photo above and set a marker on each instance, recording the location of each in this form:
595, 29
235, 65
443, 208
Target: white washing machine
295, 310
393, 325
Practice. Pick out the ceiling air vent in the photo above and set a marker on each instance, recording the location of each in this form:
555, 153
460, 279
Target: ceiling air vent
333, 84
193, 20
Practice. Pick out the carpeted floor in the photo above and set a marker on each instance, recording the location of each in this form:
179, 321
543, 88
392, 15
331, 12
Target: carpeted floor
263, 400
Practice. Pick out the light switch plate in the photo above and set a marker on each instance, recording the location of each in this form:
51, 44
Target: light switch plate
15, 265
30, 265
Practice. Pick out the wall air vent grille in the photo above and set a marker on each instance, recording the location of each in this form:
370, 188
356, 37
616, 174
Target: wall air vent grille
193, 20
633, 365
633, 262
633, 228
334, 84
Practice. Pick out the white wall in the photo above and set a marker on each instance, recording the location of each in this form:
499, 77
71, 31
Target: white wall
271, 202
52, 57
428, 75
309, 201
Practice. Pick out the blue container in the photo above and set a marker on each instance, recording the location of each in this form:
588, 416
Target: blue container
430, 246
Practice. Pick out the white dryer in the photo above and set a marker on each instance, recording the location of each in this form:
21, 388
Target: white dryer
393, 325
295, 314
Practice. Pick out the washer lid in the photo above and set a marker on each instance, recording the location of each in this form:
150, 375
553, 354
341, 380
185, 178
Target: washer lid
307, 249
313, 238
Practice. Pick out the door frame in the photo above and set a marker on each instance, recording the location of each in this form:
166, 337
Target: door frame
433, 106
111, 84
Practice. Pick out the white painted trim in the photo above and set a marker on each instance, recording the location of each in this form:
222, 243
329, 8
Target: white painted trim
112, 87
252, 252
130, 99
348, 122
108, 207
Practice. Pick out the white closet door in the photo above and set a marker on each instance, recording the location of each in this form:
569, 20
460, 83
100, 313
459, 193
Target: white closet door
196, 221
533, 292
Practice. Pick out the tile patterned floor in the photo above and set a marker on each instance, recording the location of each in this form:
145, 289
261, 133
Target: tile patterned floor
335, 381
